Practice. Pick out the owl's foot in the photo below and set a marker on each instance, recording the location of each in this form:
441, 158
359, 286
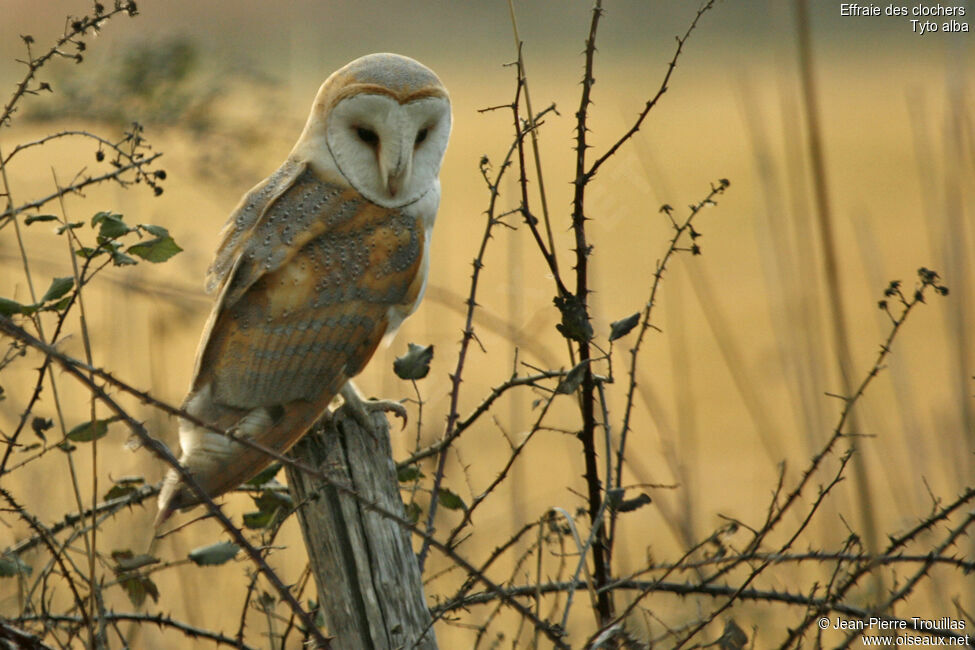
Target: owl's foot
362, 408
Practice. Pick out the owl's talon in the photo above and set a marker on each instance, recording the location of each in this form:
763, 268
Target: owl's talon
362, 408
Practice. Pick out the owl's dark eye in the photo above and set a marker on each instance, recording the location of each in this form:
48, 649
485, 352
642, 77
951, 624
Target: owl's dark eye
420, 136
367, 135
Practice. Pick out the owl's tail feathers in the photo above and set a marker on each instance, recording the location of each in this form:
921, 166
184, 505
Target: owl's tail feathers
169, 499
220, 464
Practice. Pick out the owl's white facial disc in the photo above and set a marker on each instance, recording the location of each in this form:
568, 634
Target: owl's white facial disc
389, 152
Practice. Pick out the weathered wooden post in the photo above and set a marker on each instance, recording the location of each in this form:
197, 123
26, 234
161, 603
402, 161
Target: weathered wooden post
369, 583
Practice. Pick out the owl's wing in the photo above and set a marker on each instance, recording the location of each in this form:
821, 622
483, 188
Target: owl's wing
247, 213
305, 302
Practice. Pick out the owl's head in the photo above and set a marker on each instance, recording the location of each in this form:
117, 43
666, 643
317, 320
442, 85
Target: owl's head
382, 122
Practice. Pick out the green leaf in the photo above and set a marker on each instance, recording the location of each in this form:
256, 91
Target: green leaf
271, 500
90, 431
126, 560
10, 307
118, 491
40, 425
11, 566
102, 215
408, 474
733, 637
124, 487
575, 323
572, 379
60, 305
450, 500
413, 512
621, 328
112, 226
137, 587
415, 364
265, 475
629, 505
318, 611
39, 218
258, 519
156, 231
73, 225
268, 504
121, 259
214, 554
59, 287
155, 250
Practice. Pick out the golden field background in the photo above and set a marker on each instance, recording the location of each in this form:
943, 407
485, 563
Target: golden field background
734, 385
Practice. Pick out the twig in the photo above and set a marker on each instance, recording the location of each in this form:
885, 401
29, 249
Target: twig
76, 27
96, 599
503, 473
75, 368
870, 563
691, 589
467, 336
76, 186
161, 451
464, 424
482, 569
56, 556
111, 506
533, 124
160, 620
600, 549
821, 497
547, 250
653, 100
673, 247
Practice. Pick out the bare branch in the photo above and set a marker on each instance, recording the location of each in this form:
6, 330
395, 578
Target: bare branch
653, 100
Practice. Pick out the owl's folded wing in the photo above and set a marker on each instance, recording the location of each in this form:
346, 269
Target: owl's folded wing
244, 216
306, 300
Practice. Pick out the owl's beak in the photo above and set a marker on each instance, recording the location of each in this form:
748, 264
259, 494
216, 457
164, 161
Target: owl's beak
397, 178
398, 174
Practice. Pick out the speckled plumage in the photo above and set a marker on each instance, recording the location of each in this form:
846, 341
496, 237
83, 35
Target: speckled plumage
316, 265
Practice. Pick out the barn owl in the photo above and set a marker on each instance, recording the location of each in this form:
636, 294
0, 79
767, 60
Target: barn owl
316, 265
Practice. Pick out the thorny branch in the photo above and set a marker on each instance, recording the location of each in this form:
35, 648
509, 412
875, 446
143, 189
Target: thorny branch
653, 100
78, 370
692, 589
677, 244
81, 182
579, 302
58, 557
482, 408
468, 333
603, 491
548, 251
160, 620
162, 452
110, 506
76, 29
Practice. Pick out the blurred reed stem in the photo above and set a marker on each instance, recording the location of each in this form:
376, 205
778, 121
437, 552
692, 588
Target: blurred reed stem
831, 266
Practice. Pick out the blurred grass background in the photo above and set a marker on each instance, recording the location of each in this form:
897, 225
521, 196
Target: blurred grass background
735, 384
